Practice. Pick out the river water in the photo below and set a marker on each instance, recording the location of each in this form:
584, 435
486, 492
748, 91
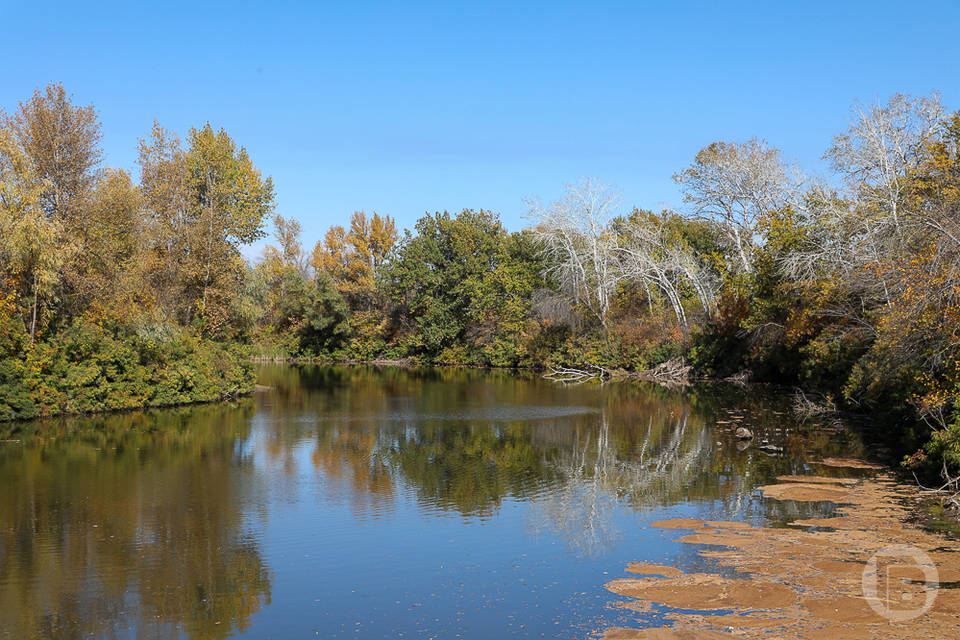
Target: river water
365, 502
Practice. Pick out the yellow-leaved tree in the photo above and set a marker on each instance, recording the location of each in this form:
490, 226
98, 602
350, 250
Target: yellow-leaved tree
351, 258
32, 246
203, 204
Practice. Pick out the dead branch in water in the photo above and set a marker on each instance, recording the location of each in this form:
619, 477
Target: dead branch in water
673, 372
949, 492
741, 377
805, 407
577, 376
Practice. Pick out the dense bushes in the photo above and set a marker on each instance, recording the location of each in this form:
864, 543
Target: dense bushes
99, 364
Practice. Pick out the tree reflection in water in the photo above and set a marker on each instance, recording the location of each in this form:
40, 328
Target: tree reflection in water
149, 524
128, 524
465, 441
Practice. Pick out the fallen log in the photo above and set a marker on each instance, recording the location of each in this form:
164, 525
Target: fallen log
672, 373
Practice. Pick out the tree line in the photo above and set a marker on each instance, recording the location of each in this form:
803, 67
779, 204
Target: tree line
846, 284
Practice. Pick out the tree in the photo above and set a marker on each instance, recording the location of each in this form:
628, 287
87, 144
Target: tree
167, 206
62, 142
31, 243
855, 238
230, 201
918, 333
290, 252
203, 204
352, 261
652, 250
297, 315
578, 244
316, 312
287, 259
734, 185
58, 145
103, 269
883, 145
279, 266
351, 258
438, 278
505, 301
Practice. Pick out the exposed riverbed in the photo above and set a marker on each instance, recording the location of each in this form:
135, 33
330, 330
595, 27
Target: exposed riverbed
864, 572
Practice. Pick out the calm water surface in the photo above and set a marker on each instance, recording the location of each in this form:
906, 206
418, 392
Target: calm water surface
371, 502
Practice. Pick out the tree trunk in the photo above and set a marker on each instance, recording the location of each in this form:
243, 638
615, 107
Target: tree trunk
33, 320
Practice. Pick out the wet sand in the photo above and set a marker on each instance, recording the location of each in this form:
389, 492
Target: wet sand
807, 580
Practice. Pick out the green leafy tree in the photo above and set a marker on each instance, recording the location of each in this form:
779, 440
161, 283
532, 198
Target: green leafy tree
317, 312
437, 279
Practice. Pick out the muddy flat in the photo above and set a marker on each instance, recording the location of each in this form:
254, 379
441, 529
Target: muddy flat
871, 575
806, 492
849, 463
817, 480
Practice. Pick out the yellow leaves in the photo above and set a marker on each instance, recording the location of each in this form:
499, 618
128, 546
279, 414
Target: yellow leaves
224, 182
328, 256
383, 236
352, 257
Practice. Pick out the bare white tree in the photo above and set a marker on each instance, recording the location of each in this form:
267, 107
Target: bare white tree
579, 244
734, 184
883, 144
852, 237
591, 252
648, 255
686, 262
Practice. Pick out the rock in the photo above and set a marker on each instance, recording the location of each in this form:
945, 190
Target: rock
742, 433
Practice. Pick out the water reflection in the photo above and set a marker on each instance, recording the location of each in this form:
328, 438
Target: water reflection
128, 525
156, 524
466, 440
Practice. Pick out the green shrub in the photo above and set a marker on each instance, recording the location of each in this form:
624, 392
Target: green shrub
103, 365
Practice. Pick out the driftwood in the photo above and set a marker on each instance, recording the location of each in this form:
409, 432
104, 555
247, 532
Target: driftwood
577, 376
949, 493
672, 373
805, 407
741, 377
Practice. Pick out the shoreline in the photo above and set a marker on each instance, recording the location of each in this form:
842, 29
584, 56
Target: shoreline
922, 513
225, 397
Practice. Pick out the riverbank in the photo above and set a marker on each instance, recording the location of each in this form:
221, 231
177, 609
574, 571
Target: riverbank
869, 571
93, 368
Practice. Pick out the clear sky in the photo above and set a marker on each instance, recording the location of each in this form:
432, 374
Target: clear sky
410, 107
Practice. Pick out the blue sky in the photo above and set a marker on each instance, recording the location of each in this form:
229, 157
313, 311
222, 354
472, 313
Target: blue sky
408, 107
